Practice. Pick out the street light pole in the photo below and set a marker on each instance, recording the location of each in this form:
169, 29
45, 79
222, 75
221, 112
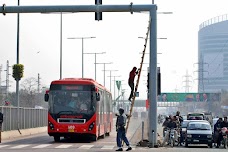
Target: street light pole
61, 42
111, 78
115, 86
95, 54
82, 57
104, 69
82, 38
18, 61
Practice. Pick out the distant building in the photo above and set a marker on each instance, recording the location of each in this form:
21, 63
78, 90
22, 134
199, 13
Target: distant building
213, 55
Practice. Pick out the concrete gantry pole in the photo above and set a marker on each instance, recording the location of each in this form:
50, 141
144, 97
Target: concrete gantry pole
153, 78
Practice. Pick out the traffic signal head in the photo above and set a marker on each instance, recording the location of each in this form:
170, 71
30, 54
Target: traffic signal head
98, 15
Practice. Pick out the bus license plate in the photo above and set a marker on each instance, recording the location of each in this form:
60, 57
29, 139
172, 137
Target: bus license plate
70, 130
195, 140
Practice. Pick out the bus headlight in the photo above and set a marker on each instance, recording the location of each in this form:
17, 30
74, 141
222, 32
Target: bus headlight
209, 136
91, 126
51, 125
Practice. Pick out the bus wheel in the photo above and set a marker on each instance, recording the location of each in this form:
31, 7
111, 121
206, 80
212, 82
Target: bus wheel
93, 138
57, 138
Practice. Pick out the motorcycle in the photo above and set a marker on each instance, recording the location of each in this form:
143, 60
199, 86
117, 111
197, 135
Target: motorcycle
224, 131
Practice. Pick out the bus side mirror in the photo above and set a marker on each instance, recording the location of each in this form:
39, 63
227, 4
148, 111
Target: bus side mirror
46, 97
98, 98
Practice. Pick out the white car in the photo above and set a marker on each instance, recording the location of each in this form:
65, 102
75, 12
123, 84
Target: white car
199, 132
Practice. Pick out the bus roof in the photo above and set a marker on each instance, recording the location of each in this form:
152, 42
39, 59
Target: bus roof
85, 81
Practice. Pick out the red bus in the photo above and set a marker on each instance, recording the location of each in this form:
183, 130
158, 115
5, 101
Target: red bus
78, 106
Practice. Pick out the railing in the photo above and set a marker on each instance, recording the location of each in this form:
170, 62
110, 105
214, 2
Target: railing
214, 20
29, 118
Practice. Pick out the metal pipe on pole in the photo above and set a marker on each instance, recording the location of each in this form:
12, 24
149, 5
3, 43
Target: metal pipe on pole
153, 78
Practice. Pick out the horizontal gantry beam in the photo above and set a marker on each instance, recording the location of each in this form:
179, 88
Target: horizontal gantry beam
75, 8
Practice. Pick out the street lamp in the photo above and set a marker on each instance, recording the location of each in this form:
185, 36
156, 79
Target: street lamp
104, 68
115, 85
61, 42
18, 61
111, 78
82, 38
95, 54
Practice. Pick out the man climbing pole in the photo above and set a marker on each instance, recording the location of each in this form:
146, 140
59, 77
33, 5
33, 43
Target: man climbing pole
131, 80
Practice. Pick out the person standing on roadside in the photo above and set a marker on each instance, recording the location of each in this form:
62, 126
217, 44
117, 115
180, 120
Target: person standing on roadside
121, 130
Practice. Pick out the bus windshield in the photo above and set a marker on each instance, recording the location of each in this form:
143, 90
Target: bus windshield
72, 102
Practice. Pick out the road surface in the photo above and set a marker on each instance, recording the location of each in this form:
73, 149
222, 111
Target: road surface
44, 143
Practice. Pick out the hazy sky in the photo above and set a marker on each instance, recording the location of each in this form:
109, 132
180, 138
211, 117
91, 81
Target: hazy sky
117, 35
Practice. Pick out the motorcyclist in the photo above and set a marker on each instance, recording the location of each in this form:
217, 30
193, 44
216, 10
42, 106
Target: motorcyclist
224, 123
217, 132
170, 125
165, 124
179, 117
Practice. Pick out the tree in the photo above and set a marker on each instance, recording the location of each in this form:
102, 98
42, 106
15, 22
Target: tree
28, 92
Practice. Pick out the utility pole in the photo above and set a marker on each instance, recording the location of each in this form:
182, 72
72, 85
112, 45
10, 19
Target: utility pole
7, 78
38, 84
187, 82
1, 79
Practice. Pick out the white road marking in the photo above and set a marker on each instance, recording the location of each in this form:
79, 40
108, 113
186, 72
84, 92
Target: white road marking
64, 146
42, 146
2, 146
85, 146
108, 147
20, 146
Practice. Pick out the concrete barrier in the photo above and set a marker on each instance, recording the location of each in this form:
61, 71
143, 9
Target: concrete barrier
6, 135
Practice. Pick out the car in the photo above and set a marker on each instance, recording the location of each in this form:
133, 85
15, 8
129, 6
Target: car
195, 116
199, 132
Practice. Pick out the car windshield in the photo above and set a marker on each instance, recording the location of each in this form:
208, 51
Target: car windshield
71, 102
198, 126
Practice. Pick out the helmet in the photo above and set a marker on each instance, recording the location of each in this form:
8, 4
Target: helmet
121, 110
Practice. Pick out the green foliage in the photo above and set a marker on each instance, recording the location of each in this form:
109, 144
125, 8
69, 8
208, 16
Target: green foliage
18, 71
